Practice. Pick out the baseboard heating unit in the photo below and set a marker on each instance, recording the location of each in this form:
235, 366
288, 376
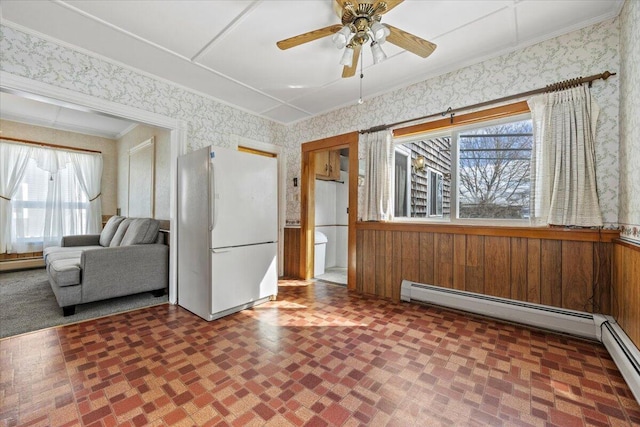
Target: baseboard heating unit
587, 325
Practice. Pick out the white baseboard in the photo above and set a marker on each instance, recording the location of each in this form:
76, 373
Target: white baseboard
624, 353
587, 325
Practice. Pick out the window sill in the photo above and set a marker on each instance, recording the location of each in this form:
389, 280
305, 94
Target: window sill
584, 235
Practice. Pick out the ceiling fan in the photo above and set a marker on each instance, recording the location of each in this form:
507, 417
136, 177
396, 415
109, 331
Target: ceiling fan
360, 24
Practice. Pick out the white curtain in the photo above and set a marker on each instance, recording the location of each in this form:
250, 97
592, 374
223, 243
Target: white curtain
88, 170
563, 172
13, 163
378, 190
59, 195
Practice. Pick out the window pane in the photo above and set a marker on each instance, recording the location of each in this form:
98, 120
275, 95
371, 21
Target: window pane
494, 171
428, 196
435, 194
400, 188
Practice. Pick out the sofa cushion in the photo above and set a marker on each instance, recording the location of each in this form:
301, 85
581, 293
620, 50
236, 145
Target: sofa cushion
65, 272
122, 229
109, 230
59, 252
141, 231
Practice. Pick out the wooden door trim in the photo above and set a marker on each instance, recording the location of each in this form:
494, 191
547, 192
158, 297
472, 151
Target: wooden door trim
308, 200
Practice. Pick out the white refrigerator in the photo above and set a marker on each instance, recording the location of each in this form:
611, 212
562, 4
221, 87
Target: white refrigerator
227, 231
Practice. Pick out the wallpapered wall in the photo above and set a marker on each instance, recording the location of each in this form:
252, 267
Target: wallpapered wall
210, 122
588, 51
107, 146
630, 120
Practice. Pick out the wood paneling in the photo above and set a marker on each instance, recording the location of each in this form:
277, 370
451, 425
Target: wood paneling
564, 273
551, 233
292, 252
533, 270
551, 273
426, 258
459, 255
625, 289
577, 268
602, 267
396, 266
443, 267
497, 267
474, 269
410, 256
518, 258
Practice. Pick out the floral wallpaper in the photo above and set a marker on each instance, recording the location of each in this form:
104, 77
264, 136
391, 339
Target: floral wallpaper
210, 122
587, 51
629, 216
584, 52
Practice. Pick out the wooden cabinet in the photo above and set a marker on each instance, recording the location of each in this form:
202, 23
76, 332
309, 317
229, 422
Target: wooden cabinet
328, 165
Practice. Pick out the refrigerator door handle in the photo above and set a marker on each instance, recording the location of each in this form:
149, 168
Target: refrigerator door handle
220, 251
212, 197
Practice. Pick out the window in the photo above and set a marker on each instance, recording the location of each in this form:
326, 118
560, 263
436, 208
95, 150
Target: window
37, 197
471, 173
425, 163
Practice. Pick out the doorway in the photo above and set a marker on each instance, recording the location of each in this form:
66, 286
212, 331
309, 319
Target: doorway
331, 216
313, 156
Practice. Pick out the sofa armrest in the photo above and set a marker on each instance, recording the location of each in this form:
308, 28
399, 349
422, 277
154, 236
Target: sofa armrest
123, 270
81, 240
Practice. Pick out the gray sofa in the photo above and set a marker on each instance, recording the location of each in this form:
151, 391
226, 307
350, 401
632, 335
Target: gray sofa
128, 257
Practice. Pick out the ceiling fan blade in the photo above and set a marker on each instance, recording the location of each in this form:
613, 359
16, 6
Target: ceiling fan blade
307, 37
351, 71
390, 4
408, 41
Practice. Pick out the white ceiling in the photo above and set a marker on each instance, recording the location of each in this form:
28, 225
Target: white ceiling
227, 49
44, 112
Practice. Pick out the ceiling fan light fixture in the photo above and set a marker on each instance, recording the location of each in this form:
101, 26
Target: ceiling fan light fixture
347, 56
380, 32
377, 52
341, 38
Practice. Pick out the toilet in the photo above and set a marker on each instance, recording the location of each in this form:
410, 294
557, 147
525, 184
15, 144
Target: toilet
320, 252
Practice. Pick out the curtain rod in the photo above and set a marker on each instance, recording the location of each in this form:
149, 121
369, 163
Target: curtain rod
46, 144
566, 84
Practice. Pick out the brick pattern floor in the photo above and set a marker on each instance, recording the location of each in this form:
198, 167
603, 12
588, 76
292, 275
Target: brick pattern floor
319, 356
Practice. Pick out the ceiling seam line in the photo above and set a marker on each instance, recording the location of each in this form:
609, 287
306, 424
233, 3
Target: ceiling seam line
148, 74
114, 27
226, 29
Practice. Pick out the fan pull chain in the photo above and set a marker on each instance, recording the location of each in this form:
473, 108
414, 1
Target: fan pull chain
361, 76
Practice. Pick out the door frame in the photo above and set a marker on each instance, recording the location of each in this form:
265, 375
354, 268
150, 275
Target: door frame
308, 201
68, 98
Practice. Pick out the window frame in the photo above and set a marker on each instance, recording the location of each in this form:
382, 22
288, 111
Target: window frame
433, 193
407, 154
509, 113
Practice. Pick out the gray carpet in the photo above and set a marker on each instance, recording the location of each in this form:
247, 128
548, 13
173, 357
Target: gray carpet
27, 304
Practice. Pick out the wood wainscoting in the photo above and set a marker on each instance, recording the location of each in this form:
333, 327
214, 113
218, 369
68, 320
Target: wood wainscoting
292, 252
625, 289
564, 268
